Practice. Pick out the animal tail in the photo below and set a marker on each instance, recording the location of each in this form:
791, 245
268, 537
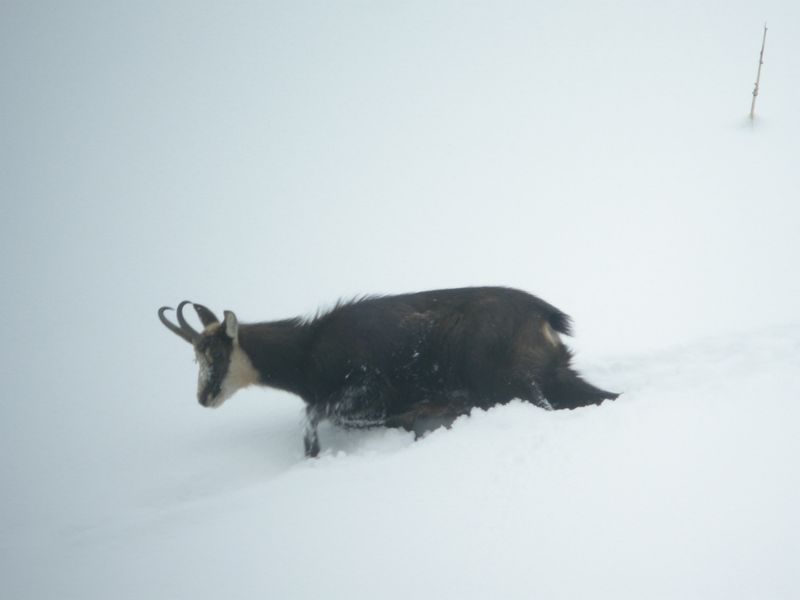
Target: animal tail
560, 321
568, 390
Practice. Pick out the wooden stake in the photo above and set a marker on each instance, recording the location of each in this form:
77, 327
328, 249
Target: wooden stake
758, 76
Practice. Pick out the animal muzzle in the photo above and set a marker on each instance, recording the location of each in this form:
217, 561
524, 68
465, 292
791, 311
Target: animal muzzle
209, 392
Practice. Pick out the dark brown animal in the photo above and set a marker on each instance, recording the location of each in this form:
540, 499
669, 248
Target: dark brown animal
413, 361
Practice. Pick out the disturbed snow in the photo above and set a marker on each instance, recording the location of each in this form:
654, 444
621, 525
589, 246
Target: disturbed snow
687, 486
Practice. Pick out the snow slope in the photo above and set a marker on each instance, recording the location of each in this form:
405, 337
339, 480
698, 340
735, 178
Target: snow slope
686, 487
270, 158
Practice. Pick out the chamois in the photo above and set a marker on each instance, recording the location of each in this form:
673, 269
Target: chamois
414, 361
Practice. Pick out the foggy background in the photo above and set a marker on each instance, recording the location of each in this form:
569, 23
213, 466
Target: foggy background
271, 158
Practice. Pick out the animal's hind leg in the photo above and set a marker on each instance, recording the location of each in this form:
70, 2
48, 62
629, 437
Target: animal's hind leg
566, 389
531, 392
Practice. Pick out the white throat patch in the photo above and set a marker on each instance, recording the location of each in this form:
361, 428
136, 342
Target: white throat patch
241, 374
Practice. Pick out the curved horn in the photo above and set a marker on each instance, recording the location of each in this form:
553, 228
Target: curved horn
187, 329
206, 316
171, 326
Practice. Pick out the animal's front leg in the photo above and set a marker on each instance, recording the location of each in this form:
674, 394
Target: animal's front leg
311, 438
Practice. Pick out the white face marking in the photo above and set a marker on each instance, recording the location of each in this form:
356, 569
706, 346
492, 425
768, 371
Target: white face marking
241, 374
211, 328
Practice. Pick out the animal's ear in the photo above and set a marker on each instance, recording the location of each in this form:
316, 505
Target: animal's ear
231, 325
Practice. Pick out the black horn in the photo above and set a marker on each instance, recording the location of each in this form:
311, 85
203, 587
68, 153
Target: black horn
206, 316
172, 327
190, 332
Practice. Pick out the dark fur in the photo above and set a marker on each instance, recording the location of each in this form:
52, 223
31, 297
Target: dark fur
419, 360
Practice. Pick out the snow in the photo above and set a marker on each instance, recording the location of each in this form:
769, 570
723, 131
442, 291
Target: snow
270, 159
685, 487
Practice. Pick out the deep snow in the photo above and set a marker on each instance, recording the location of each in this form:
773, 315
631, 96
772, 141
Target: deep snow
272, 158
686, 487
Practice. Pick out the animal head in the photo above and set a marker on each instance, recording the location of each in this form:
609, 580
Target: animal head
224, 368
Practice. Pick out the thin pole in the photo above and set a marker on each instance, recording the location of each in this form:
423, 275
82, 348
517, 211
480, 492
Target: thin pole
758, 76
